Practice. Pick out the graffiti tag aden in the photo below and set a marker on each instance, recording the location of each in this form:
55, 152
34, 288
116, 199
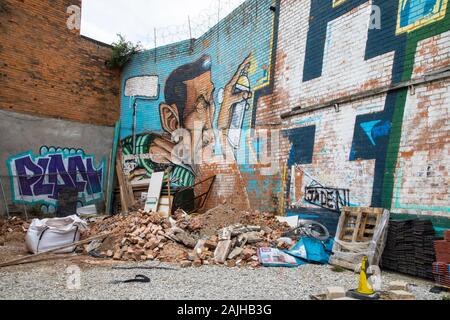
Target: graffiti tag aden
37, 179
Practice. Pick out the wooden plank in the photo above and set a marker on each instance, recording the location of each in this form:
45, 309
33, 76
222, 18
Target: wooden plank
154, 192
107, 183
120, 178
342, 221
357, 226
112, 167
165, 205
363, 227
75, 244
130, 193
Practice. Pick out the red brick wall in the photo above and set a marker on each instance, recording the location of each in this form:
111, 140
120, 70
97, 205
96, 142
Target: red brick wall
48, 70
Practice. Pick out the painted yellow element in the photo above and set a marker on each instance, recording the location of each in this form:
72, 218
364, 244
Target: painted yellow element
436, 16
269, 68
253, 65
282, 204
405, 2
338, 3
364, 286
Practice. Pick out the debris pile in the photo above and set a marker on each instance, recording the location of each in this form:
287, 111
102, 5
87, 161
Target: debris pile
13, 229
221, 236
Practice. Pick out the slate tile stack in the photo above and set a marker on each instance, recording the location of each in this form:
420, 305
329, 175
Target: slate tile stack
410, 248
441, 268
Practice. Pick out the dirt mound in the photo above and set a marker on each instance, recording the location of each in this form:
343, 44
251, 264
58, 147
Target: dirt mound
13, 230
223, 216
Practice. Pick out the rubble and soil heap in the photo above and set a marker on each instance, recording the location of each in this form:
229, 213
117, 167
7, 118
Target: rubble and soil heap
220, 236
13, 229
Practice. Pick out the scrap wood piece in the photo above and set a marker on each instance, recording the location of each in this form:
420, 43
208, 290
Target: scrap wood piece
120, 177
126, 190
25, 259
146, 268
165, 205
154, 192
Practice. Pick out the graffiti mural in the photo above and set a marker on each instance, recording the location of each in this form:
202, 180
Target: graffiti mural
305, 190
36, 179
338, 2
414, 14
202, 103
187, 119
328, 198
247, 74
375, 135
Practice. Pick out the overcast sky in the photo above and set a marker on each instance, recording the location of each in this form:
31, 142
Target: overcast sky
136, 19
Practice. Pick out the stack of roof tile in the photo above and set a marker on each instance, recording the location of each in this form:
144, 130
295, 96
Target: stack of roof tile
410, 248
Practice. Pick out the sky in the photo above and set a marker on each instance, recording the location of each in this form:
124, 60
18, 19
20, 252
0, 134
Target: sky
102, 20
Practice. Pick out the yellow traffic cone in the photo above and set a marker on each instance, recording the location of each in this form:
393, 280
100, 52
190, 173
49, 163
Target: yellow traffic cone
365, 290
364, 286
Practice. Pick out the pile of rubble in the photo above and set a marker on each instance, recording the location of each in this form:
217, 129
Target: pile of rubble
187, 240
13, 229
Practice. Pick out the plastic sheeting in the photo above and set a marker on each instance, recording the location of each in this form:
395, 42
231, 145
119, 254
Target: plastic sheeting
48, 234
312, 250
307, 250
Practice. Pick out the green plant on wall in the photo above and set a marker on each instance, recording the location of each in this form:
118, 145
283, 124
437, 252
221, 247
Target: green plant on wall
122, 51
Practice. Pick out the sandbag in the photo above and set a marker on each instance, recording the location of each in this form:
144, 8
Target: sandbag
48, 234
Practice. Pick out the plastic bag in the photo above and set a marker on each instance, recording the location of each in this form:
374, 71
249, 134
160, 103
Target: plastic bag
270, 257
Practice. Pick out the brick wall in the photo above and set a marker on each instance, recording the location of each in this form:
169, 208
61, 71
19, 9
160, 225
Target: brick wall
389, 149
340, 86
50, 71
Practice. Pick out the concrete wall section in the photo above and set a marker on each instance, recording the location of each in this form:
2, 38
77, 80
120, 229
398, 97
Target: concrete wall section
39, 155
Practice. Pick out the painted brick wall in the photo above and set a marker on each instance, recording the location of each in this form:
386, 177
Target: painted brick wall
383, 149
389, 149
50, 71
208, 67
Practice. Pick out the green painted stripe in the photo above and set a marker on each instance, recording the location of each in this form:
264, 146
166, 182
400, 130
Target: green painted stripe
395, 138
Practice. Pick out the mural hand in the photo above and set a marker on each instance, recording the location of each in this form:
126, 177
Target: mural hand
230, 97
161, 151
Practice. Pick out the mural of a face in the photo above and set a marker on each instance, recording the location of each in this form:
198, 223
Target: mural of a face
189, 106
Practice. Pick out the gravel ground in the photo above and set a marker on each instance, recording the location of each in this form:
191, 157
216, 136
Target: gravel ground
48, 281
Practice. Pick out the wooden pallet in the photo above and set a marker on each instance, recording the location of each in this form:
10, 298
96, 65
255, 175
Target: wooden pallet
356, 230
359, 224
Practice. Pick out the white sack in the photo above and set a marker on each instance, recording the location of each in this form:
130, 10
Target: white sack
48, 234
